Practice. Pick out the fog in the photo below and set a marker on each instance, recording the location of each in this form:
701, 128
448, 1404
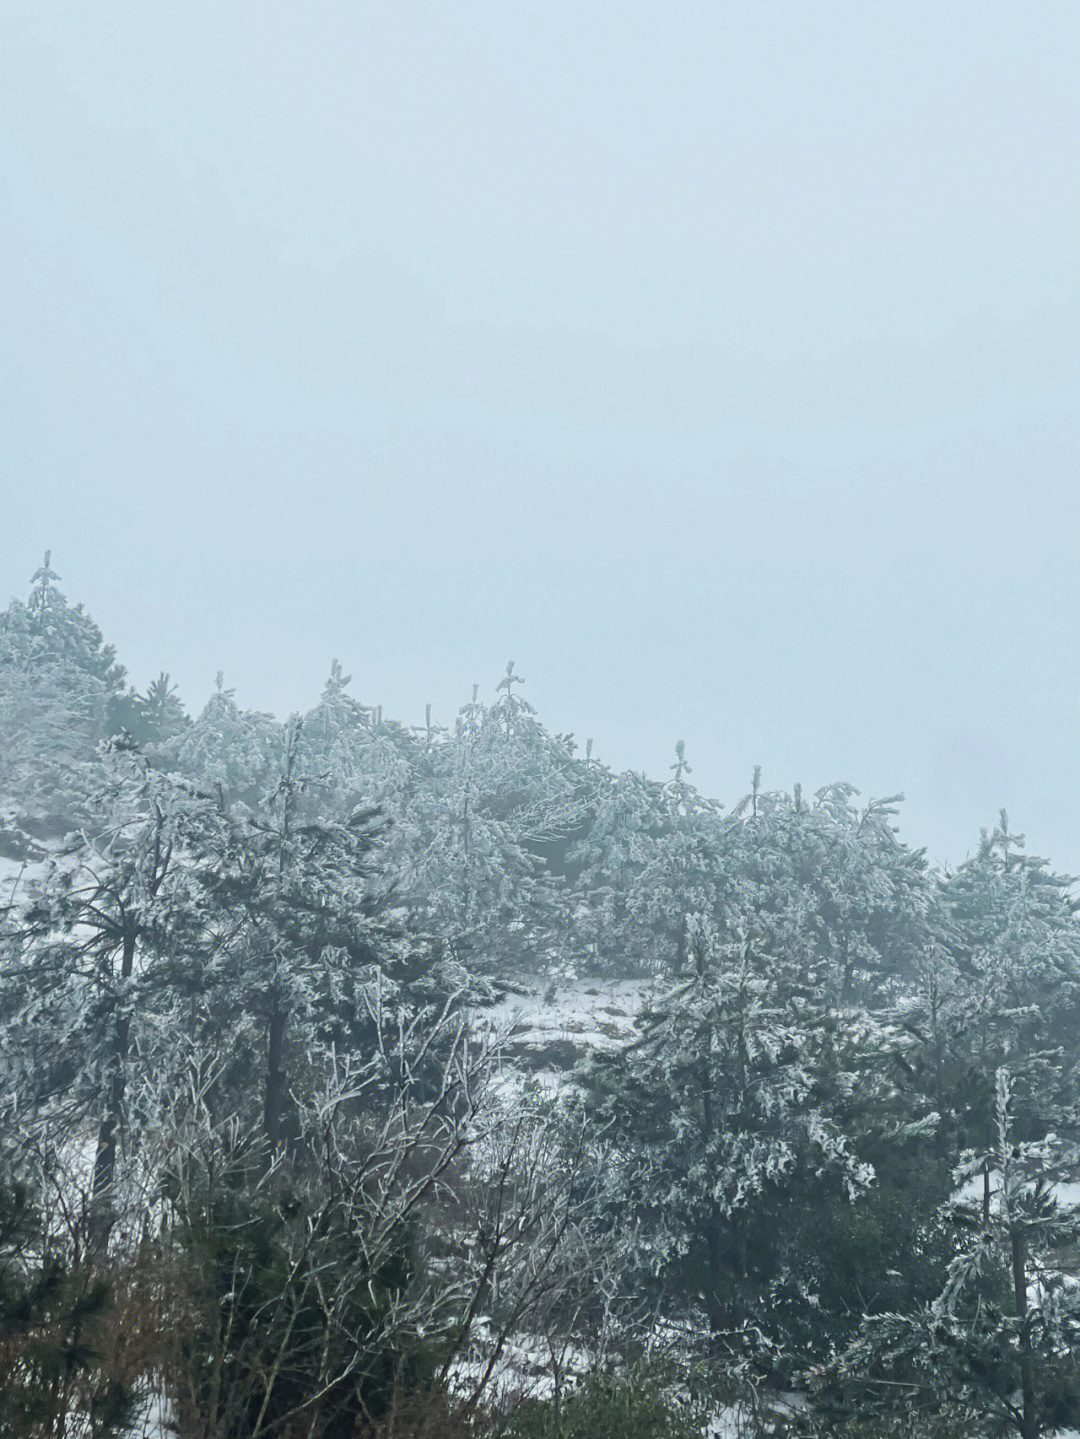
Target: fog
539, 604
716, 364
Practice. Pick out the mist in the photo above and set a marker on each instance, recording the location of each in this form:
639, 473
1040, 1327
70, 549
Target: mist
537, 720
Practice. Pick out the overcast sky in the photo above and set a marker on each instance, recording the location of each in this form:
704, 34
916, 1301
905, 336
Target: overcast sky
717, 362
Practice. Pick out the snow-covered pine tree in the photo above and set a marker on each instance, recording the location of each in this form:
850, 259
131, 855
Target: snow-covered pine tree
1014, 938
318, 949
684, 869
721, 1144
607, 863
996, 1351
497, 795
59, 684
233, 752
160, 713
86, 982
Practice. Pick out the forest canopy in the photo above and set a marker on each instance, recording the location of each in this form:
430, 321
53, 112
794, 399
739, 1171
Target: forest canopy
368, 1079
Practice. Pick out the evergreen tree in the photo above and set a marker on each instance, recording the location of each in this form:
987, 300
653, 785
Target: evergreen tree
87, 975
997, 1349
297, 897
607, 864
498, 793
684, 872
721, 1139
1014, 939
234, 753
161, 714
53, 1307
59, 687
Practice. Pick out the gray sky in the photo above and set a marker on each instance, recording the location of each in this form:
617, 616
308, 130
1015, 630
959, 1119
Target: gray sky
717, 362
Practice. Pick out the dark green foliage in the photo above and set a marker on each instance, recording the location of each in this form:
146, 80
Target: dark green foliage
152, 718
906, 1421
887, 1252
641, 1402
730, 1148
290, 1325
54, 1313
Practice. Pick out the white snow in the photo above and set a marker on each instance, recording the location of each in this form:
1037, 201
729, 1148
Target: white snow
585, 1014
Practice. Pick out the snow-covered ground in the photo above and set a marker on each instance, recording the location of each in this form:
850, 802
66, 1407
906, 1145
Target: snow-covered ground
543, 1030
15, 875
153, 1420
971, 1191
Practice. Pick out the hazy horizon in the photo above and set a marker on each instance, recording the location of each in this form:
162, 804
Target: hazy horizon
718, 365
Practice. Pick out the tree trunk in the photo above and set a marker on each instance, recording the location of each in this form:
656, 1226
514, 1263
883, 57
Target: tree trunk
102, 1187
274, 1102
715, 1308
720, 1313
986, 1194
1029, 1428
847, 972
